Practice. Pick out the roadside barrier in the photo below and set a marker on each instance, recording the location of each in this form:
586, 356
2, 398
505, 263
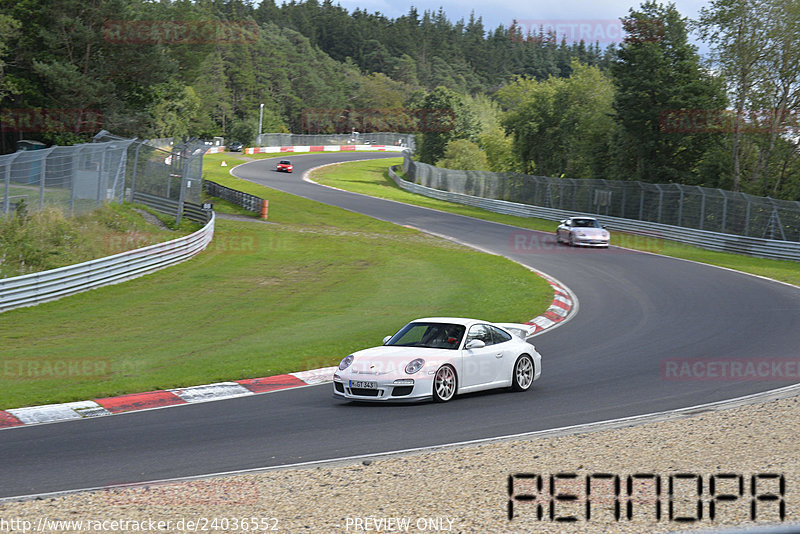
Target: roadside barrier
35, 288
752, 246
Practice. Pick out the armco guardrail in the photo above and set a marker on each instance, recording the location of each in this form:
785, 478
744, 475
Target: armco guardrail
167, 206
753, 246
34, 288
245, 200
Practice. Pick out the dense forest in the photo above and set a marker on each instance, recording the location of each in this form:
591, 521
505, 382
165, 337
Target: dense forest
649, 108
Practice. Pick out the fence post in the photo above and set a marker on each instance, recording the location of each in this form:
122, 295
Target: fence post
7, 200
100, 170
660, 200
641, 200
76, 163
181, 193
42, 173
135, 169
702, 206
680, 205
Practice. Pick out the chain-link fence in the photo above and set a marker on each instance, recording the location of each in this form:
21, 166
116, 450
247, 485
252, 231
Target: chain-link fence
164, 178
73, 179
380, 138
79, 178
695, 207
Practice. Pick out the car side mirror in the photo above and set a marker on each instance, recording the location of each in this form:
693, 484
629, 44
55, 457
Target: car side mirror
475, 344
387, 338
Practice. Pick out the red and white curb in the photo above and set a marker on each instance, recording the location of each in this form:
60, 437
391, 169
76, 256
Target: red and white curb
564, 305
322, 148
68, 411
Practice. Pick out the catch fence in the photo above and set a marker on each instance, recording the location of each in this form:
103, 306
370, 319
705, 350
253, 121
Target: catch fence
692, 207
379, 138
79, 178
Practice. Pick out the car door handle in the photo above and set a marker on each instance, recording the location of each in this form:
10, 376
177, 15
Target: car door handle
498, 355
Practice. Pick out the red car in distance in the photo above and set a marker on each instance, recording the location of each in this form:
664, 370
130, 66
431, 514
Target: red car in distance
284, 166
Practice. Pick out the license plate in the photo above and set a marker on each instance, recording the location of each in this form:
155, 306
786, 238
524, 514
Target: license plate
363, 385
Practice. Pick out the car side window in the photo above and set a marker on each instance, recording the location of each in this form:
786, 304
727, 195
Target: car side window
481, 332
499, 336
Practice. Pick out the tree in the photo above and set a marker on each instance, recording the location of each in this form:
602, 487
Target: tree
244, 131
461, 154
444, 119
657, 75
561, 125
735, 29
9, 29
499, 149
755, 45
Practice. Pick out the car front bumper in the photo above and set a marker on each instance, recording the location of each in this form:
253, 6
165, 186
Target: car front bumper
589, 241
383, 390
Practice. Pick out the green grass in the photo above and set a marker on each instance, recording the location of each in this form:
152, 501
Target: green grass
264, 299
372, 178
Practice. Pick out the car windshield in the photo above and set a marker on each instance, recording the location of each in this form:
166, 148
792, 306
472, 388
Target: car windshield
285, 162
585, 223
429, 335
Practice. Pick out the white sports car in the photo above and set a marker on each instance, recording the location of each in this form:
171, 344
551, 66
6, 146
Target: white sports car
585, 231
437, 358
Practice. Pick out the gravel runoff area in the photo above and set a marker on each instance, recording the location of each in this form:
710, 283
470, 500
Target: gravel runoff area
465, 489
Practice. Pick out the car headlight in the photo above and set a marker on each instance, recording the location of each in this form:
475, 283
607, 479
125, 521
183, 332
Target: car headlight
345, 363
414, 366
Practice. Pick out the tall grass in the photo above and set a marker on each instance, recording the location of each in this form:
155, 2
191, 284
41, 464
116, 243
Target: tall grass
47, 239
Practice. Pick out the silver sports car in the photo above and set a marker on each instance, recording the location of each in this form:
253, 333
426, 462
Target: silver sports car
582, 231
437, 358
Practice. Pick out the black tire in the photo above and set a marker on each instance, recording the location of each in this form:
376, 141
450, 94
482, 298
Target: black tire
522, 375
571, 240
445, 384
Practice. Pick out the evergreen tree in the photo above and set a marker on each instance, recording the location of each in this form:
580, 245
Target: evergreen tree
658, 76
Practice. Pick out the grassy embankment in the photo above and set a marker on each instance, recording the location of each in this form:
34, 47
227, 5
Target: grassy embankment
361, 177
301, 292
33, 242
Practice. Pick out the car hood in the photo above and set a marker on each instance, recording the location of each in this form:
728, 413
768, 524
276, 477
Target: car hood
388, 359
593, 232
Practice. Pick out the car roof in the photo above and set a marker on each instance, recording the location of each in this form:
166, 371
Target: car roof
582, 217
452, 320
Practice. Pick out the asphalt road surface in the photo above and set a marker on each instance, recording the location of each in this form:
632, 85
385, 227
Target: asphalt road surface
637, 312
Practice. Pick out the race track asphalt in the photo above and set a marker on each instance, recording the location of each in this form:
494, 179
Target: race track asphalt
636, 312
